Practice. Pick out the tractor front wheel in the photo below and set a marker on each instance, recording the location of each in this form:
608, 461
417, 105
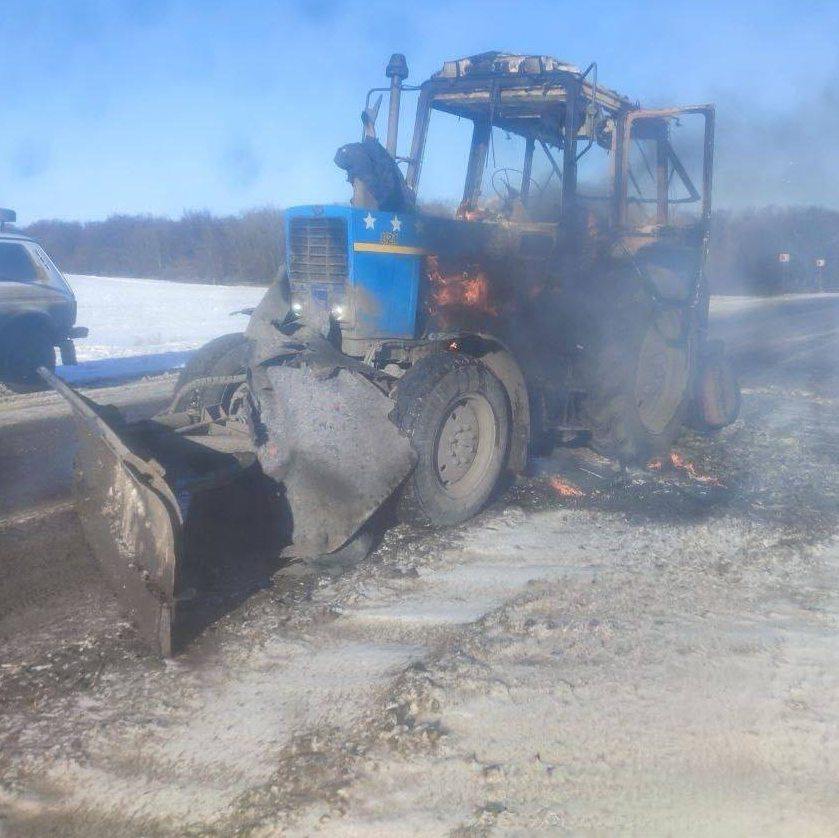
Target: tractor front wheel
223, 356
456, 414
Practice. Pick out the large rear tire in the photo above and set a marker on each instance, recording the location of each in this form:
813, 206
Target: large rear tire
457, 416
637, 378
223, 356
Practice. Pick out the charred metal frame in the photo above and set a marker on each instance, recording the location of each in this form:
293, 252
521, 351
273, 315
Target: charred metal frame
566, 94
477, 160
498, 100
527, 169
658, 131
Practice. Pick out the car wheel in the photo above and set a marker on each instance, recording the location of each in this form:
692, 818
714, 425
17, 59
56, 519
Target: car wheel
26, 348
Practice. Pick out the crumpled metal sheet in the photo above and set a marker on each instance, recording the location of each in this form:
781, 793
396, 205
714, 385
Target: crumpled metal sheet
329, 444
277, 335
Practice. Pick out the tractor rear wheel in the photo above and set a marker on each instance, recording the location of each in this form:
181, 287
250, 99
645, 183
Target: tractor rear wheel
223, 356
638, 380
456, 414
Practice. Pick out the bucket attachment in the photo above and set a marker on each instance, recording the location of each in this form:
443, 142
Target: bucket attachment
136, 485
187, 515
330, 444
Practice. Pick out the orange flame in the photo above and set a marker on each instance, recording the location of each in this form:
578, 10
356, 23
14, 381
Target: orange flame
467, 288
565, 489
680, 463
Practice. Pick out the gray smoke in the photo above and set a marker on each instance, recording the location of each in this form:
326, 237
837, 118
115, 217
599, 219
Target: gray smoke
788, 156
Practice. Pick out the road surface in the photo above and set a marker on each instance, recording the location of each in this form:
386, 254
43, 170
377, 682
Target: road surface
658, 655
47, 572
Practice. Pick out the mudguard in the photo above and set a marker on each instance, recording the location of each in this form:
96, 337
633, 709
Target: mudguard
323, 431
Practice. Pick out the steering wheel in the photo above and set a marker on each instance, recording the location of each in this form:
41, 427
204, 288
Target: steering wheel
501, 178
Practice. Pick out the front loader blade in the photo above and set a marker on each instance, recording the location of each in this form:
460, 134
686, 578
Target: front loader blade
331, 445
133, 528
130, 517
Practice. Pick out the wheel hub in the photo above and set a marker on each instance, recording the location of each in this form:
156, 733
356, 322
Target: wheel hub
458, 444
465, 444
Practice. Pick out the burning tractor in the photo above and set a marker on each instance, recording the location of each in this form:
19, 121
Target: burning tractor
407, 357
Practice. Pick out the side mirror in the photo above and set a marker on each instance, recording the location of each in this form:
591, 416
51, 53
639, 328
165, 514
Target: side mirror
368, 119
7, 216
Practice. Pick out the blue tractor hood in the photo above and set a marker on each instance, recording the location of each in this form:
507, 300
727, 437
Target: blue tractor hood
362, 266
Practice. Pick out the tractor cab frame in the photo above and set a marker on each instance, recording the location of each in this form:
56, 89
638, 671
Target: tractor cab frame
566, 113
627, 229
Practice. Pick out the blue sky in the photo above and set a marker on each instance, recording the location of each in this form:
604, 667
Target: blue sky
157, 106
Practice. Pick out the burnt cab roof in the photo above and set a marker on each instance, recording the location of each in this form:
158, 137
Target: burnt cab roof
526, 94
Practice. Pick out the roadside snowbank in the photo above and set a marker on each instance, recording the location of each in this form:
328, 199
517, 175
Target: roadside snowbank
721, 306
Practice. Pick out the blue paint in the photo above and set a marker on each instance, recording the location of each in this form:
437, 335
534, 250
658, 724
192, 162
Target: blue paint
386, 283
320, 295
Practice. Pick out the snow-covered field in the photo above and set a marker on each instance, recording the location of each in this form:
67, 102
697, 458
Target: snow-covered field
146, 326
148, 317
149, 326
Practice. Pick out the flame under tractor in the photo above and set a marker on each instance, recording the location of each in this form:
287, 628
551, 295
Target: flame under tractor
411, 358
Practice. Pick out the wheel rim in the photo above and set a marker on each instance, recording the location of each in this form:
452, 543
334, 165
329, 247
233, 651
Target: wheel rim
465, 446
661, 376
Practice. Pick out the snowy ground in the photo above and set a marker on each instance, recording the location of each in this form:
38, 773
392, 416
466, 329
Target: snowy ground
147, 326
655, 656
723, 306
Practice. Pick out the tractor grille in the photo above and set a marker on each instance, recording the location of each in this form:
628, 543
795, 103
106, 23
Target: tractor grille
317, 250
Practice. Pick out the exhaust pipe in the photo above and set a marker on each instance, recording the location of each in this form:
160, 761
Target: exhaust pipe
397, 71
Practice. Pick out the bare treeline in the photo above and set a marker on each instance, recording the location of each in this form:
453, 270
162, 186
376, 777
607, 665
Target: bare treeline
746, 248
198, 247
